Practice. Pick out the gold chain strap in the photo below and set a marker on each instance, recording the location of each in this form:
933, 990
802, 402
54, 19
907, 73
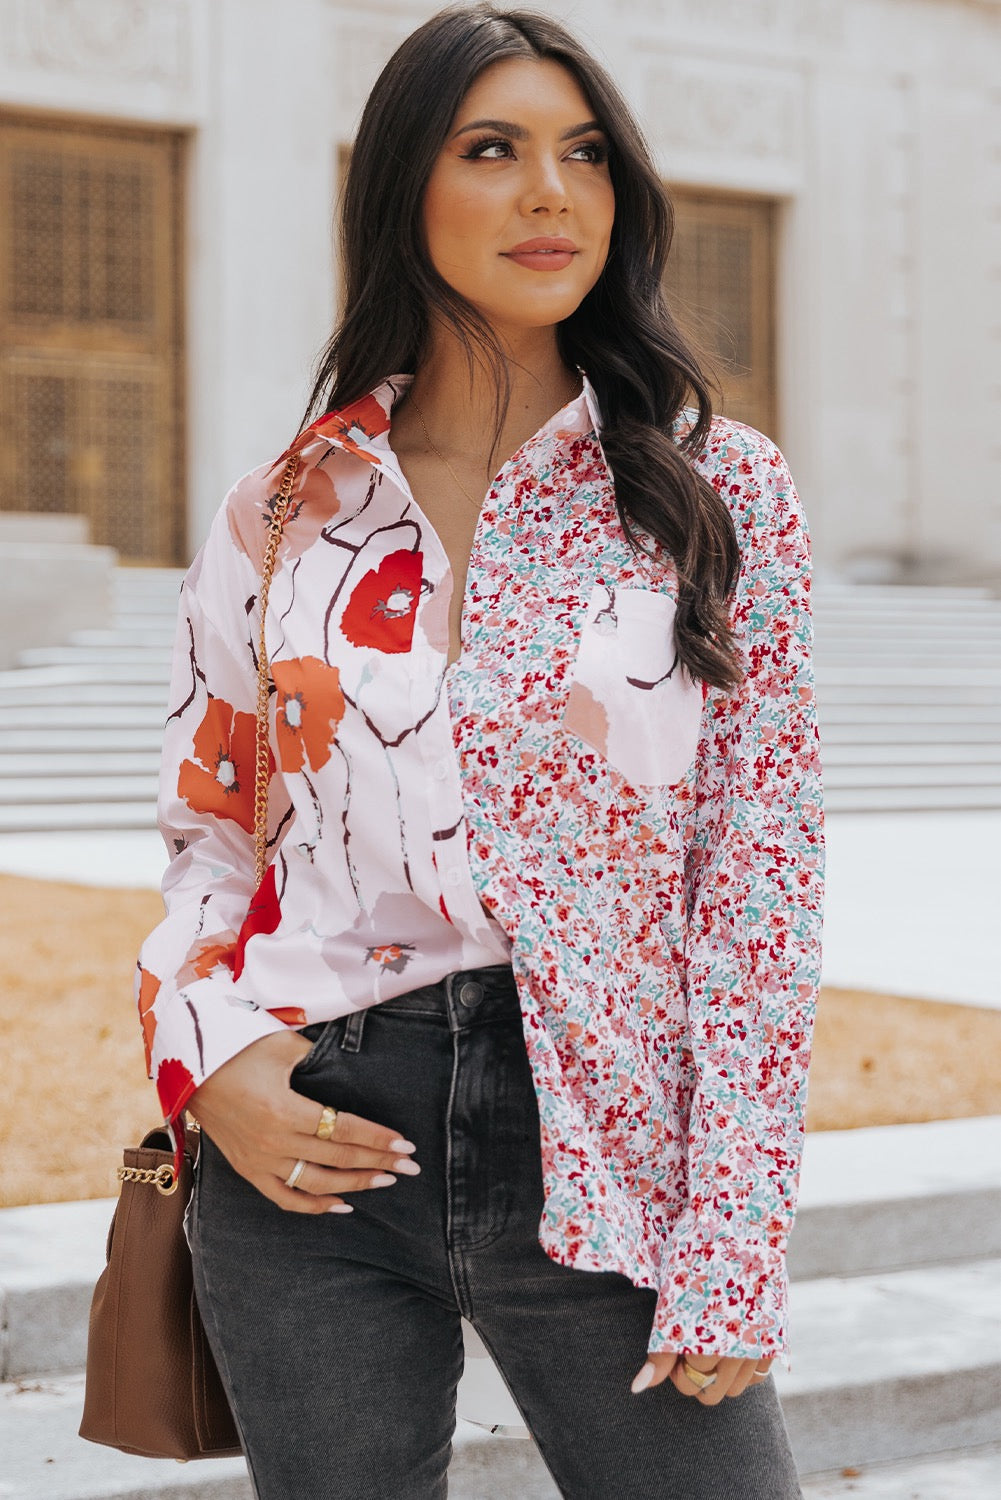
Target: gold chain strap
261, 764
163, 1177
166, 1177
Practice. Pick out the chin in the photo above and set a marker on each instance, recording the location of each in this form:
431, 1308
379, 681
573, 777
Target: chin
541, 313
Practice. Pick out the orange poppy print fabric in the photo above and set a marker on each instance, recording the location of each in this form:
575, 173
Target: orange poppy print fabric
647, 853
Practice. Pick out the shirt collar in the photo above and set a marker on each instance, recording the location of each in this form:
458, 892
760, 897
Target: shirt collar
363, 427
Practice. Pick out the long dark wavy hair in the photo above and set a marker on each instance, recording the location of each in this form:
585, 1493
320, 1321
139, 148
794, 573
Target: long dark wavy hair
622, 334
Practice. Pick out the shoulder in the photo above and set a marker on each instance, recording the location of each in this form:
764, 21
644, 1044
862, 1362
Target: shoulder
750, 472
327, 452
239, 530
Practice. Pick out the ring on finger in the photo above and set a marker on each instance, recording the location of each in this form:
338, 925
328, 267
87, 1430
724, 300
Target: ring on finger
292, 1179
328, 1120
702, 1379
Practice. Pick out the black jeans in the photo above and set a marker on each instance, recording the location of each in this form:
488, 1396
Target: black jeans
339, 1336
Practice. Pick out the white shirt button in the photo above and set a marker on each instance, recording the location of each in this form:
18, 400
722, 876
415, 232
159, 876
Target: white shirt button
441, 770
453, 877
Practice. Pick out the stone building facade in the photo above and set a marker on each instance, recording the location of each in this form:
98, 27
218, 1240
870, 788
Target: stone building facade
838, 171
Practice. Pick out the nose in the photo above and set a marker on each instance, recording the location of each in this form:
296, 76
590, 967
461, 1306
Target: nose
548, 190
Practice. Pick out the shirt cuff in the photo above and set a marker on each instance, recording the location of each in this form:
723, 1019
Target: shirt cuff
722, 1295
186, 1052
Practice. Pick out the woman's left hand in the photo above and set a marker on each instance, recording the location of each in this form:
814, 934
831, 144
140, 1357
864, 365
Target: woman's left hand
732, 1376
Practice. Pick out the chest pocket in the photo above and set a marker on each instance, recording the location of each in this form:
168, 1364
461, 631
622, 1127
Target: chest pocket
629, 698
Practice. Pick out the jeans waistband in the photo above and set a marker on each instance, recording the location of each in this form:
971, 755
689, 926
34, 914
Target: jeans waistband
469, 997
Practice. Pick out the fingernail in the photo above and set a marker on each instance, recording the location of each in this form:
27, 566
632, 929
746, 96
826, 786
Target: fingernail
383, 1179
643, 1379
406, 1166
341, 1208
402, 1146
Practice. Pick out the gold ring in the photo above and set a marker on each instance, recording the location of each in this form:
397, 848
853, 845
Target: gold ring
296, 1173
701, 1378
328, 1120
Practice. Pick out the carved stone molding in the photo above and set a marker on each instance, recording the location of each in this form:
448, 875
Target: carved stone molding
361, 52
751, 116
136, 40
764, 20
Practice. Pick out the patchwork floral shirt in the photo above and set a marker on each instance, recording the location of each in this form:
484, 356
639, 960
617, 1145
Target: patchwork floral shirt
647, 853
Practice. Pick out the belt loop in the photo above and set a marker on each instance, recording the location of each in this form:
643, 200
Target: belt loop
354, 1027
451, 1007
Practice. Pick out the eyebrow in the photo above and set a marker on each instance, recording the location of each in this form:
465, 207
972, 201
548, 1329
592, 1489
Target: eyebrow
519, 133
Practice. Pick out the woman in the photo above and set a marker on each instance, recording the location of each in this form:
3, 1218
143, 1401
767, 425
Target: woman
516, 1025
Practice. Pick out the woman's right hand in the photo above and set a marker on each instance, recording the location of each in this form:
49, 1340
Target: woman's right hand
263, 1127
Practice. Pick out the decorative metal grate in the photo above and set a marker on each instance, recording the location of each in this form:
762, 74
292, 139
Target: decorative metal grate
90, 330
721, 287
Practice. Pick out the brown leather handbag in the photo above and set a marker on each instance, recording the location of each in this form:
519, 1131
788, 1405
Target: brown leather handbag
152, 1386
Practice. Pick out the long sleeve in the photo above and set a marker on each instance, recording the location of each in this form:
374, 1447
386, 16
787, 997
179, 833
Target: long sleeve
194, 1016
754, 873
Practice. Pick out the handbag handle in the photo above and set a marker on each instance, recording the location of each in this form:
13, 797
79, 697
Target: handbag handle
261, 777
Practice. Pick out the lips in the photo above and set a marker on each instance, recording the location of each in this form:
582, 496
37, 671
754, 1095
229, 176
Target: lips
546, 253
544, 244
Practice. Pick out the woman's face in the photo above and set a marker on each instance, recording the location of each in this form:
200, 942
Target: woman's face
519, 206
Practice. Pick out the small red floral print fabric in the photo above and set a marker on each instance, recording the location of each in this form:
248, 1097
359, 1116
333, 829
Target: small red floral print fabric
647, 852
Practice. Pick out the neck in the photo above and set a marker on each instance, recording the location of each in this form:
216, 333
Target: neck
460, 405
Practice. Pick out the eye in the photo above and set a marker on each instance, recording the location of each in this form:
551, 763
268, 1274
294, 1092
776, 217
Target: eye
595, 152
492, 148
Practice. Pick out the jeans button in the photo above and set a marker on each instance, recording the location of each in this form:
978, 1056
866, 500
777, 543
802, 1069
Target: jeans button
471, 993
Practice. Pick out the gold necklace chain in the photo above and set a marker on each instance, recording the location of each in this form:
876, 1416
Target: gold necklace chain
436, 449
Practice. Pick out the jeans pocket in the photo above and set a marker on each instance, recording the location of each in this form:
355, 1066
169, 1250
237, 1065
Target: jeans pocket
630, 699
324, 1036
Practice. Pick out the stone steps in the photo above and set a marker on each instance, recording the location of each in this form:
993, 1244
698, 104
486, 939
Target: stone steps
852, 729
924, 773
985, 754
24, 790
966, 1474
893, 1365
131, 630
70, 817
38, 1429
157, 656
81, 764
53, 716
128, 681
76, 740
898, 1197
916, 688
916, 800
895, 1259
947, 595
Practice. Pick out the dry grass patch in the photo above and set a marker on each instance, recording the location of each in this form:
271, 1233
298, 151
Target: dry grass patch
75, 1090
